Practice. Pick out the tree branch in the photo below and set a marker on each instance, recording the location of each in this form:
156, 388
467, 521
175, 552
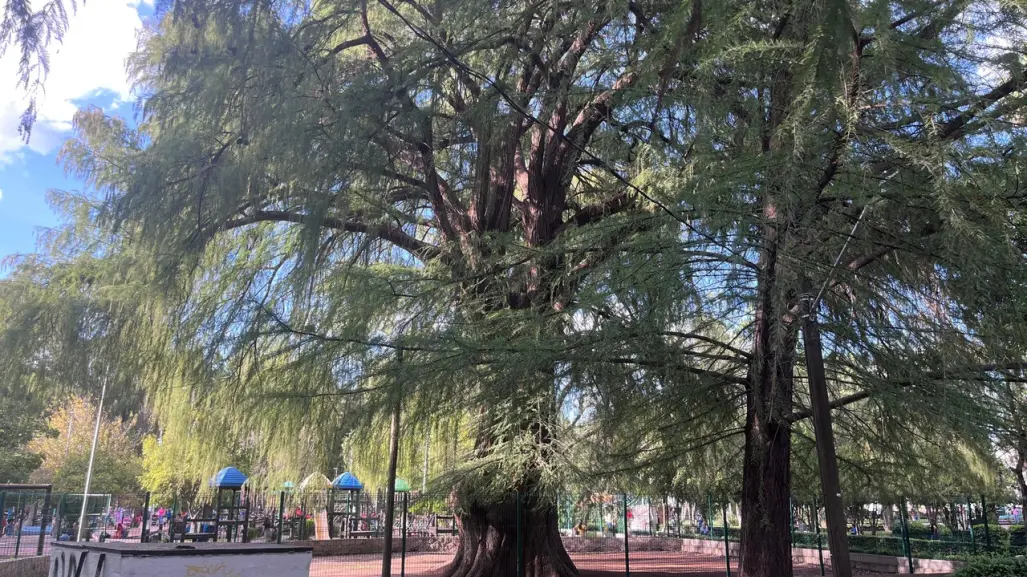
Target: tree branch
396, 236
950, 374
953, 128
593, 213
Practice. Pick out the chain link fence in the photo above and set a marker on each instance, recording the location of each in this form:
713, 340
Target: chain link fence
603, 533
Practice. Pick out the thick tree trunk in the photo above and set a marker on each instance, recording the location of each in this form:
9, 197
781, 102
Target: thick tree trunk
766, 475
766, 486
488, 541
1018, 470
766, 471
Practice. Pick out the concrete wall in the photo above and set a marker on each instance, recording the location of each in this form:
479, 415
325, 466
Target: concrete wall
616, 544
24, 567
208, 560
708, 547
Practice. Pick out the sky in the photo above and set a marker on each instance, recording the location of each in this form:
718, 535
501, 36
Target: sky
86, 69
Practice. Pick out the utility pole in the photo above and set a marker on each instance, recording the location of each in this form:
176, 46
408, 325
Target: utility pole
837, 540
71, 420
390, 489
424, 473
820, 405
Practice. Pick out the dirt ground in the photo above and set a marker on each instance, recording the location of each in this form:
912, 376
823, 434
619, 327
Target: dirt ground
642, 564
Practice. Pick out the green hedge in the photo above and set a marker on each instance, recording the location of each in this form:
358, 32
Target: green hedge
995, 567
886, 544
920, 530
1004, 541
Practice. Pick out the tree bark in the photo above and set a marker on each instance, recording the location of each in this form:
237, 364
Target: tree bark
766, 481
488, 541
766, 542
766, 470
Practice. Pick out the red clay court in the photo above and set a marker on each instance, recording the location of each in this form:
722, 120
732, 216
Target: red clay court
643, 564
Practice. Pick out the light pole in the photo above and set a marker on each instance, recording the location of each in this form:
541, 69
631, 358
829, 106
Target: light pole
89, 469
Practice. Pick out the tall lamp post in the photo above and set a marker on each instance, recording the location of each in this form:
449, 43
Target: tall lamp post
89, 469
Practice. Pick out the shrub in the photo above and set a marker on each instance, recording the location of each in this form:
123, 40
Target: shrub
1017, 536
892, 546
920, 530
309, 532
995, 567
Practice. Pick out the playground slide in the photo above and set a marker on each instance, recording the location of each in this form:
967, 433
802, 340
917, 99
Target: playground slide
33, 530
321, 526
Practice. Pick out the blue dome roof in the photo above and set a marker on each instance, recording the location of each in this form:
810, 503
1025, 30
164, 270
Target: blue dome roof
347, 481
229, 478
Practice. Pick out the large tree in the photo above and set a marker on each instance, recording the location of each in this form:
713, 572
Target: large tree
479, 161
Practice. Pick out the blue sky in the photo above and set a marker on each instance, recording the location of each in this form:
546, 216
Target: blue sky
88, 68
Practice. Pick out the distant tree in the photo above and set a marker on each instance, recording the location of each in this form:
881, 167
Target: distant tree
22, 418
65, 455
113, 473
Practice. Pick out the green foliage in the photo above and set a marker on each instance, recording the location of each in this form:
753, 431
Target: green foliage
920, 547
163, 477
921, 530
112, 473
65, 451
29, 28
20, 421
429, 504
995, 567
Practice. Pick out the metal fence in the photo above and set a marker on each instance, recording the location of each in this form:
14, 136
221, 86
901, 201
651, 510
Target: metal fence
603, 533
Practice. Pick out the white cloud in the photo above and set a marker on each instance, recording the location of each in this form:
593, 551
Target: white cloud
90, 59
1, 194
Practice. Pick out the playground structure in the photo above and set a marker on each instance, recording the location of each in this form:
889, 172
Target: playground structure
228, 519
315, 509
344, 519
31, 517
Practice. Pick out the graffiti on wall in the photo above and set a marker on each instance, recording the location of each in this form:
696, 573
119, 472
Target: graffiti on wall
73, 564
212, 570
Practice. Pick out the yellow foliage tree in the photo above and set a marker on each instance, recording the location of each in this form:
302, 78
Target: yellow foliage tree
65, 450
